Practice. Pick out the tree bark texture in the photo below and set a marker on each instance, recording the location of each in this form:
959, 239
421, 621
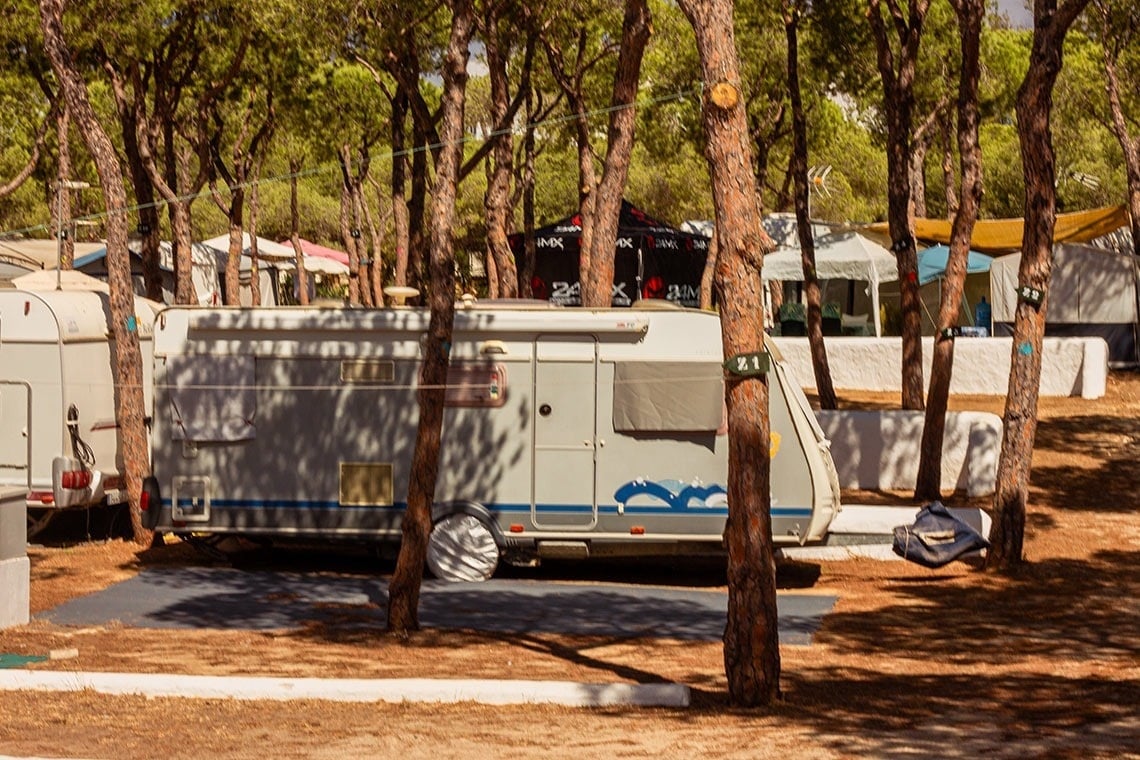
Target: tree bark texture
349, 231
1034, 107
530, 154
145, 198
820, 367
598, 279
417, 207
751, 642
255, 294
1129, 144
571, 84
301, 276
66, 235
399, 186
928, 481
898, 100
404, 588
496, 200
127, 355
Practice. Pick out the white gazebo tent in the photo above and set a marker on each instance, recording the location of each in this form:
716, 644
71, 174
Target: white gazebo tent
839, 256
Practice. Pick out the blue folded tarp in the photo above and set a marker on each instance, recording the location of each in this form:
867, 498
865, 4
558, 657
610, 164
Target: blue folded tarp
936, 537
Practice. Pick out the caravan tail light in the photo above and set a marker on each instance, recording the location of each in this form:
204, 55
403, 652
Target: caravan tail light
144, 501
75, 479
43, 497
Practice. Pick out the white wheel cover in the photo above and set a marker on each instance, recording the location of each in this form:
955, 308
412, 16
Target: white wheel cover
462, 548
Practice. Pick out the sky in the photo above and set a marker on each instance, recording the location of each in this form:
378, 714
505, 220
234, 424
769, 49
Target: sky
1019, 14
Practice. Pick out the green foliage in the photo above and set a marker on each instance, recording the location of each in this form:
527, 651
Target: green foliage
1004, 197
312, 58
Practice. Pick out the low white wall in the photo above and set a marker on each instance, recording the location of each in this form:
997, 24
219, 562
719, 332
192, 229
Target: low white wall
1069, 366
879, 450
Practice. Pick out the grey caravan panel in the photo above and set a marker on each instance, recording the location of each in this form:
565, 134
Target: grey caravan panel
565, 411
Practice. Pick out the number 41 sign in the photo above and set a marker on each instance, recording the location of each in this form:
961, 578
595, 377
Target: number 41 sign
752, 364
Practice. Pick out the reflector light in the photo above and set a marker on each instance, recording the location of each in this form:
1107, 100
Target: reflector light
75, 479
516, 528
637, 530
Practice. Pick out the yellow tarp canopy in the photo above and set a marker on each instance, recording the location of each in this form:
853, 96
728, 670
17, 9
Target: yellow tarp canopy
1004, 235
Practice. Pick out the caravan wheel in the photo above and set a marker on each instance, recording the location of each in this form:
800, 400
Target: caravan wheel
462, 548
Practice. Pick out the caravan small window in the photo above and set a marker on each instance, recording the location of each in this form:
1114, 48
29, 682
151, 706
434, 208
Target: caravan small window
212, 398
668, 396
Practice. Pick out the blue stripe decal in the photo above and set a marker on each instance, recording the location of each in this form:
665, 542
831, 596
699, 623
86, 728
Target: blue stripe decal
523, 509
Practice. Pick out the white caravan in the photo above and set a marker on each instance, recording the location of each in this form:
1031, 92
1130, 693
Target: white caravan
567, 432
59, 437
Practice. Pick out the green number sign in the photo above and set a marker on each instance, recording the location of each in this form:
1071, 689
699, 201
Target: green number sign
748, 365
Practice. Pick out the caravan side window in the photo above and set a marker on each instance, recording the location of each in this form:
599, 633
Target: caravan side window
668, 397
212, 398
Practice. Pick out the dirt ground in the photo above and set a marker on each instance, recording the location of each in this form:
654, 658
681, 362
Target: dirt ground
952, 662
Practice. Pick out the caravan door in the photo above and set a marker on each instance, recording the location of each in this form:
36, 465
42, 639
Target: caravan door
15, 433
563, 493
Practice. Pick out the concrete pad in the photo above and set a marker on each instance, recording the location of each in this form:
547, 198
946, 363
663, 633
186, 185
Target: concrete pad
211, 597
352, 689
881, 520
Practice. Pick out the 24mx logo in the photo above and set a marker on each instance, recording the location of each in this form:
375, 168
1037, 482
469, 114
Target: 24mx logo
683, 294
570, 293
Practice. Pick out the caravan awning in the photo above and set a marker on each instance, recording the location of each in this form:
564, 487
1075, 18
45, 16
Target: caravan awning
1004, 235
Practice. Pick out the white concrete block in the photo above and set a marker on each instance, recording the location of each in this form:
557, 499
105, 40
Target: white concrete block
15, 591
1069, 366
879, 450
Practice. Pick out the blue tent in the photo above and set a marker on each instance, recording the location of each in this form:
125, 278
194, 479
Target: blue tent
932, 263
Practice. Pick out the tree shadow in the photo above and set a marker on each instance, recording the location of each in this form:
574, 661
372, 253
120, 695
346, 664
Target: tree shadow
1072, 608
1114, 441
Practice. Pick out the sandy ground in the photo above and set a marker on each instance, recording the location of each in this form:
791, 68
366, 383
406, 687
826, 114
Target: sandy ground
912, 663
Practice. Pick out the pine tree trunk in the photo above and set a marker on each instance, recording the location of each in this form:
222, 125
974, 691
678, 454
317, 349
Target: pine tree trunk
1129, 145
1034, 106
301, 277
127, 354
417, 209
348, 232
501, 270
254, 252
147, 208
63, 213
404, 587
820, 367
751, 641
399, 182
928, 480
896, 70
597, 278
